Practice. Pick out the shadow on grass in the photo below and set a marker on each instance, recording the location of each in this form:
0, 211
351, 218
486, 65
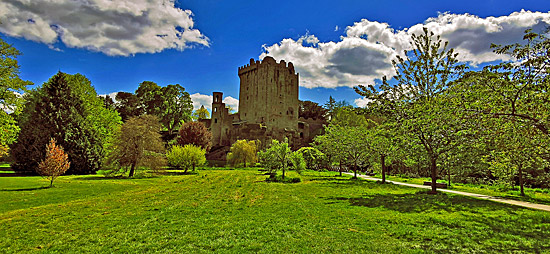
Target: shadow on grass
179, 173
421, 202
27, 189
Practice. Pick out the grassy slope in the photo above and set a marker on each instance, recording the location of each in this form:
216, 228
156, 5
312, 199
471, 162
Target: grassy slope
235, 211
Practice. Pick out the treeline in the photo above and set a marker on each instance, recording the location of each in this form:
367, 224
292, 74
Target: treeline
64, 121
436, 118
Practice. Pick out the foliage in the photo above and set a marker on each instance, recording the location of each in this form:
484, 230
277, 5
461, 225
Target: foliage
311, 110
201, 113
343, 116
55, 164
62, 109
195, 133
297, 161
171, 104
11, 87
276, 157
418, 101
243, 152
137, 144
128, 105
186, 157
314, 158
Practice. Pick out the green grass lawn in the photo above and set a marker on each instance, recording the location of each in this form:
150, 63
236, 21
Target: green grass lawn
235, 211
531, 194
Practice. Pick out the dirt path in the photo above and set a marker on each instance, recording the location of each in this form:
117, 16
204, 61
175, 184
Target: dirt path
480, 196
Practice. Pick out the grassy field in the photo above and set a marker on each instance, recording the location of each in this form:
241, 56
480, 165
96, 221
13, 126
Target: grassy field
535, 195
236, 211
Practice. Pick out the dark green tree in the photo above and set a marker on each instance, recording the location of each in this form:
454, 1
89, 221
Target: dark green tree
56, 111
312, 110
128, 105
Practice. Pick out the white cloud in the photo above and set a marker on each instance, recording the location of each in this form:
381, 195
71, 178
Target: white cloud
361, 102
364, 54
115, 28
112, 95
336, 28
206, 101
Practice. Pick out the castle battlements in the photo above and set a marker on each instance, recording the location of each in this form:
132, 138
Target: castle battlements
255, 64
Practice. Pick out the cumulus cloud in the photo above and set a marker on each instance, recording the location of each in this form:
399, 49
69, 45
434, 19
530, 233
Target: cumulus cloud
206, 101
364, 53
112, 95
115, 28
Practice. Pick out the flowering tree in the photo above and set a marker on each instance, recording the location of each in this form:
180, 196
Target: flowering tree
56, 162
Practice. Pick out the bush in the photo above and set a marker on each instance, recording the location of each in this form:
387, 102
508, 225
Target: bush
186, 157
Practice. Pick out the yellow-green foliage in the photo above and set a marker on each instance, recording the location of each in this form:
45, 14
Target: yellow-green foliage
186, 157
243, 152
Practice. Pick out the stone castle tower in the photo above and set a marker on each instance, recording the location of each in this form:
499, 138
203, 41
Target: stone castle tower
269, 94
268, 108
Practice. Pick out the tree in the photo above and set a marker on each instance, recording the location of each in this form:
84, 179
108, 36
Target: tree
347, 143
11, 87
313, 157
62, 109
186, 157
171, 104
195, 133
138, 144
201, 113
176, 107
150, 97
515, 94
276, 157
56, 162
128, 105
243, 152
418, 102
312, 110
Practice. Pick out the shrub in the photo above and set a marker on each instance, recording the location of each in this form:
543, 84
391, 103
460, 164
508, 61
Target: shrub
186, 157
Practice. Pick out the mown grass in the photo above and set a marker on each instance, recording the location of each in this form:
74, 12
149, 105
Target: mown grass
236, 211
531, 194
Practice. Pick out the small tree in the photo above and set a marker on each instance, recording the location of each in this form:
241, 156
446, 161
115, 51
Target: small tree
195, 133
276, 157
242, 152
313, 157
297, 161
186, 157
56, 162
137, 144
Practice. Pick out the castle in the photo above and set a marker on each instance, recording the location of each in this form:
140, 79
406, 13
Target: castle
268, 109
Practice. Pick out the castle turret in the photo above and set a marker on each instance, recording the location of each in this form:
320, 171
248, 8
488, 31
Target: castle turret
216, 124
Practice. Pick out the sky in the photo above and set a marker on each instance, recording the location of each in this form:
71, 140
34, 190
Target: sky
334, 45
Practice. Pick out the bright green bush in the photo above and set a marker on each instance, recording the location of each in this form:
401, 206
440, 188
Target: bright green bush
186, 157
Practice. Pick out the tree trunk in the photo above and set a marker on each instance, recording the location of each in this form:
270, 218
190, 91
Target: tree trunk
245, 163
449, 176
51, 182
355, 170
433, 168
283, 172
193, 167
340, 168
521, 181
132, 169
383, 164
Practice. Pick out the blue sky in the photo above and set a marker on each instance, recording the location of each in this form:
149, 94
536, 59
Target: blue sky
333, 44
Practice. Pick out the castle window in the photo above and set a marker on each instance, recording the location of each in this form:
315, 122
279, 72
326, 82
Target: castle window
215, 120
215, 109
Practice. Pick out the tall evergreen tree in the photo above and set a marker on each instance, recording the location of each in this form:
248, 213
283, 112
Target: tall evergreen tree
56, 111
